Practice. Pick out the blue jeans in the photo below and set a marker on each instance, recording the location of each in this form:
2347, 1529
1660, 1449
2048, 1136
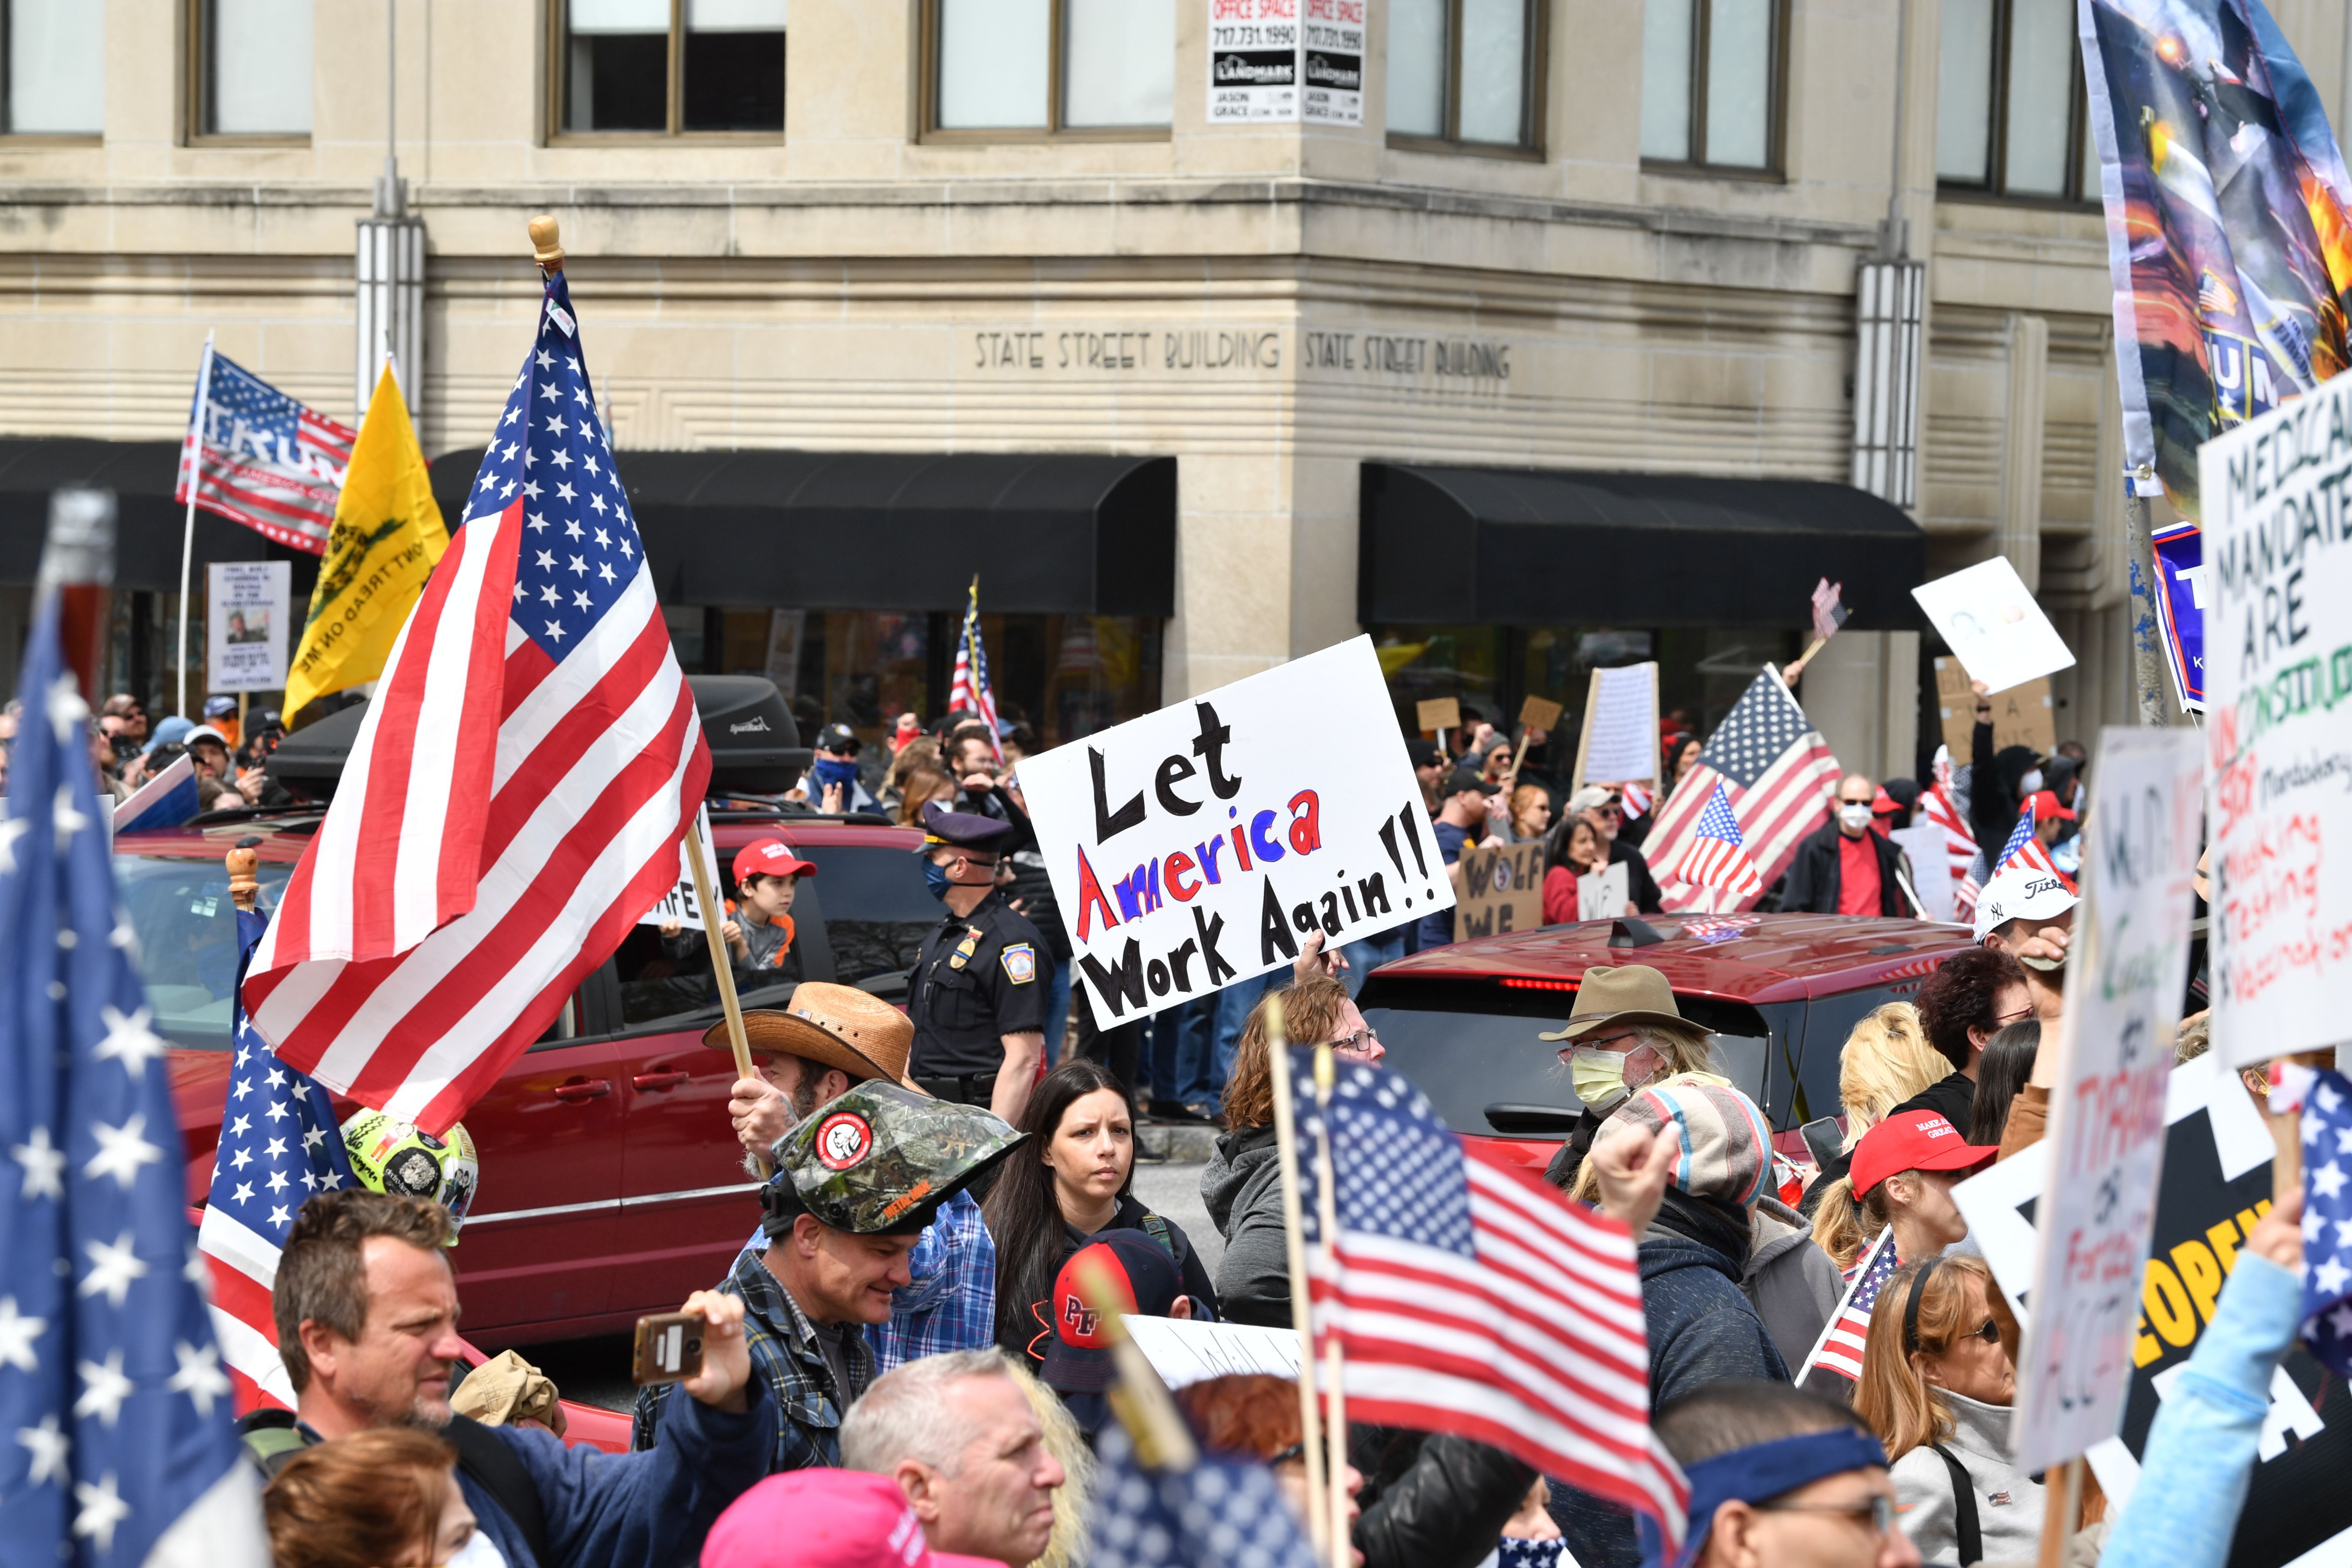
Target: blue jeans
1183, 1064
1057, 1010
1234, 1006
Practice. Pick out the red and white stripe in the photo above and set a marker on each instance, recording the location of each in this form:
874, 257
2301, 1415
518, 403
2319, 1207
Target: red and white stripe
244, 1271
294, 509
1717, 863
1536, 1346
1961, 847
1791, 799
1635, 799
503, 820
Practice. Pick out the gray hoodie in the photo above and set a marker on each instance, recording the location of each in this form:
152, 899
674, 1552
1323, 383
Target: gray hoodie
2009, 1501
1791, 1283
1240, 1186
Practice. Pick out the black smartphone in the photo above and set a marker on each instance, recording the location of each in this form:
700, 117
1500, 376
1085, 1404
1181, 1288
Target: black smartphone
1824, 1138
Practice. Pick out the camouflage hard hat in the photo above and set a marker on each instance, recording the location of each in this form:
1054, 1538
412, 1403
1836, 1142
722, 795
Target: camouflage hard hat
880, 1160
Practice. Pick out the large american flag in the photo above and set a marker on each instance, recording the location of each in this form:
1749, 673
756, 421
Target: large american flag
1776, 772
116, 1445
1715, 854
514, 796
968, 688
259, 458
1838, 1353
1469, 1297
279, 1143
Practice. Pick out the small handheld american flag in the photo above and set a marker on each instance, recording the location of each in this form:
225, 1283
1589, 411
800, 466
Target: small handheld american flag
1837, 1355
1715, 855
1470, 1297
2025, 848
2325, 1096
259, 458
968, 688
1221, 1513
1829, 614
1777, 773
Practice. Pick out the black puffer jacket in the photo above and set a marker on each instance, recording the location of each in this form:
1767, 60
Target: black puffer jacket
1431, 1502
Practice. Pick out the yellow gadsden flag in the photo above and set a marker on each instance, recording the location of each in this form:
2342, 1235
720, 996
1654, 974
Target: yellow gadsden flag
388, 535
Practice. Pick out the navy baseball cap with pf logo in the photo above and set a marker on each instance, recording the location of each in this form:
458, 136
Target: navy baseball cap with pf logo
1078, 1358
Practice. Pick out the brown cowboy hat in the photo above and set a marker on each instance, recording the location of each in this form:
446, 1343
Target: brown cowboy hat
1631, 993
833, 1026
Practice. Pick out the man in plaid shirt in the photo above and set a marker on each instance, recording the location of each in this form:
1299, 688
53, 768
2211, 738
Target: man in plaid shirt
856, 1184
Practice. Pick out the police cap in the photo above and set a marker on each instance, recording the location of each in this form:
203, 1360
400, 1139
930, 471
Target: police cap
966, 830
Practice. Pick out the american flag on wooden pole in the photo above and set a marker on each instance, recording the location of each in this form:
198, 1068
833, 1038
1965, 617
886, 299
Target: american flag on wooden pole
1715, 854
2025, 848
1838, 1353
1777, 774
1959, 845
968, 688
1470, 1297
515, 797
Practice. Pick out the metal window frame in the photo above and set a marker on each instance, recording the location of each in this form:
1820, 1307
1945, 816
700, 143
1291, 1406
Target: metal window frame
1776, 114
1057, 92
1994, 187
1890, 313
673, 131
1534, 67
199, 93
30, 137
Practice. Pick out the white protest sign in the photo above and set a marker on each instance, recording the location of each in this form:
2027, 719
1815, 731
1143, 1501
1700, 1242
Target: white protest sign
679, 903
1602, 895
1931, 869
1183, 1351
1991, 624
1621, 726
1196, 845
2129, 958
246, 611
2278, 671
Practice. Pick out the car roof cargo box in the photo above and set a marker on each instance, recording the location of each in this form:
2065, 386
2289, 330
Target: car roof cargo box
755, 746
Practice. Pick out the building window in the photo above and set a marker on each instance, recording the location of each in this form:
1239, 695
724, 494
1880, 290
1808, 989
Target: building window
1711, 82
54, 80
1463, 72
663, 67
252, 60
2010, 119
1047, 67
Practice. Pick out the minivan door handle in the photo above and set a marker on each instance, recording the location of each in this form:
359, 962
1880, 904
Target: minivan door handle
583, 1088
660, 1078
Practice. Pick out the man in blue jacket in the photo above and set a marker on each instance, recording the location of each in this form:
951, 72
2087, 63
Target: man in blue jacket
366, 1310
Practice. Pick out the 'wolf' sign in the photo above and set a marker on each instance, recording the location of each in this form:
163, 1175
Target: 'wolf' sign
1200, 845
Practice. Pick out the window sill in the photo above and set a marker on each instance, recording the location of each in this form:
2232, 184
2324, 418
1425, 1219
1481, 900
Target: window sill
665, 139
972, 136
1714, 171
1977, 195
213, 139
1399, 142
29, 141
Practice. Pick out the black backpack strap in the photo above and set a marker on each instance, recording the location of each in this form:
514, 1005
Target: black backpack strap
1964, 1507
484, 1456
270, 1438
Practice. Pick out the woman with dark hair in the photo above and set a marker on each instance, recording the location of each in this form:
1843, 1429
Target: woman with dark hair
2001, 1071
1576, 847
1080, 1119
1681, 755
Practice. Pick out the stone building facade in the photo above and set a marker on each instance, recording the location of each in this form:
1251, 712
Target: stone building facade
1560, 280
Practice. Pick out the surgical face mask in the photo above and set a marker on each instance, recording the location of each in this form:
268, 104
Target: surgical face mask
1851, 818
2030, 782
935, 878
1598, 1076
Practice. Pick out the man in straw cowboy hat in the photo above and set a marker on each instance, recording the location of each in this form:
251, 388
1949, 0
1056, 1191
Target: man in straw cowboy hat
857, 1186
808, 1055
1624, 1033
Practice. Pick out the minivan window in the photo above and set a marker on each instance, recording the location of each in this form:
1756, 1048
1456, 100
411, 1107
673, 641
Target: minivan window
187, 940
876, 909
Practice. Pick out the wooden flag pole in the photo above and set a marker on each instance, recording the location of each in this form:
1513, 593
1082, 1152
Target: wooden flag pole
2062, 1508
1293, 1245
1327, 1214
719, 962
1139, 1399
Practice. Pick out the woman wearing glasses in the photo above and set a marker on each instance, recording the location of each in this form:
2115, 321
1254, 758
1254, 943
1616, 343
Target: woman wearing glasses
1936, 1386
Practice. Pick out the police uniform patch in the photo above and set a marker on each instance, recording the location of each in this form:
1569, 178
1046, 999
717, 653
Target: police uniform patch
1019, 963
842, 1140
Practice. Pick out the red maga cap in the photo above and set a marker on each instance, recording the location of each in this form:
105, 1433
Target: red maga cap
1914, 1141
769, 857
2045, 806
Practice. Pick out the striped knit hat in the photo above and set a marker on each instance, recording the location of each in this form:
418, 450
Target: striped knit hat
1726, 1149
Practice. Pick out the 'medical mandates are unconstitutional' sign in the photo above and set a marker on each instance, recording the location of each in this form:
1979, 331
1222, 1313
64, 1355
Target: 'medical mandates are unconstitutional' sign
1200, 844
2278, 659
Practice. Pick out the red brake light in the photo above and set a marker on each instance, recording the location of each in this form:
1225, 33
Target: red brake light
1520, 982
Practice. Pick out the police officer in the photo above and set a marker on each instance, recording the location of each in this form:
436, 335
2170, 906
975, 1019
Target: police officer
978, 994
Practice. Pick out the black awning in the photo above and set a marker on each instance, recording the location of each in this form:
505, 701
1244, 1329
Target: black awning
1536, 547
148, 522
1073, 533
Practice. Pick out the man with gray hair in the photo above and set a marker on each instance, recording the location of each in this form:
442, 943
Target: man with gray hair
1597, 805
957, 1435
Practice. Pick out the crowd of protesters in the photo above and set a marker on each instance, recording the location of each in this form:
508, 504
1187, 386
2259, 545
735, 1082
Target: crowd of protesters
904, 1362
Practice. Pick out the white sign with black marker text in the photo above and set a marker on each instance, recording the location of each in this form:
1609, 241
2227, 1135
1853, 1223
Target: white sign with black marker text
1197, 846
679, 903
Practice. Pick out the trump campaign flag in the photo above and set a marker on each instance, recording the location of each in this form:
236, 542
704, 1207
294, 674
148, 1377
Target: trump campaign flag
514, 796
116, 1445
1469, 1297
259, 458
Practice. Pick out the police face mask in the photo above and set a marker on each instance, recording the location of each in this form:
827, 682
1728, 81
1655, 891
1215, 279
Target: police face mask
935, 878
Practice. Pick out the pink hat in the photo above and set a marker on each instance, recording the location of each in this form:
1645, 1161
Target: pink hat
826, 1518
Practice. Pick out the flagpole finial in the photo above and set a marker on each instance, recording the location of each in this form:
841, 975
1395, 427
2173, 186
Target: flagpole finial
546, 243
243, 887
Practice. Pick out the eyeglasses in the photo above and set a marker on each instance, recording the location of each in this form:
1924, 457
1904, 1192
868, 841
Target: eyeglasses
2021, 1015
1357, 1044
1879, 1510
1989, 1330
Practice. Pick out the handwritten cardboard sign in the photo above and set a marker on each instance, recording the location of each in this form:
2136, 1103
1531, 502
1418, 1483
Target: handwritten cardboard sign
1536, 713
1602, 895
2106, 1143
1437, 713
1196, 845
1990, 618
2278, 667
1502, 889
2024, 715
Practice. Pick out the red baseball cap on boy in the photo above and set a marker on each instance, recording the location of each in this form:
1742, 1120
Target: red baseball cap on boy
826, 1518
1914, 1141
769, 857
